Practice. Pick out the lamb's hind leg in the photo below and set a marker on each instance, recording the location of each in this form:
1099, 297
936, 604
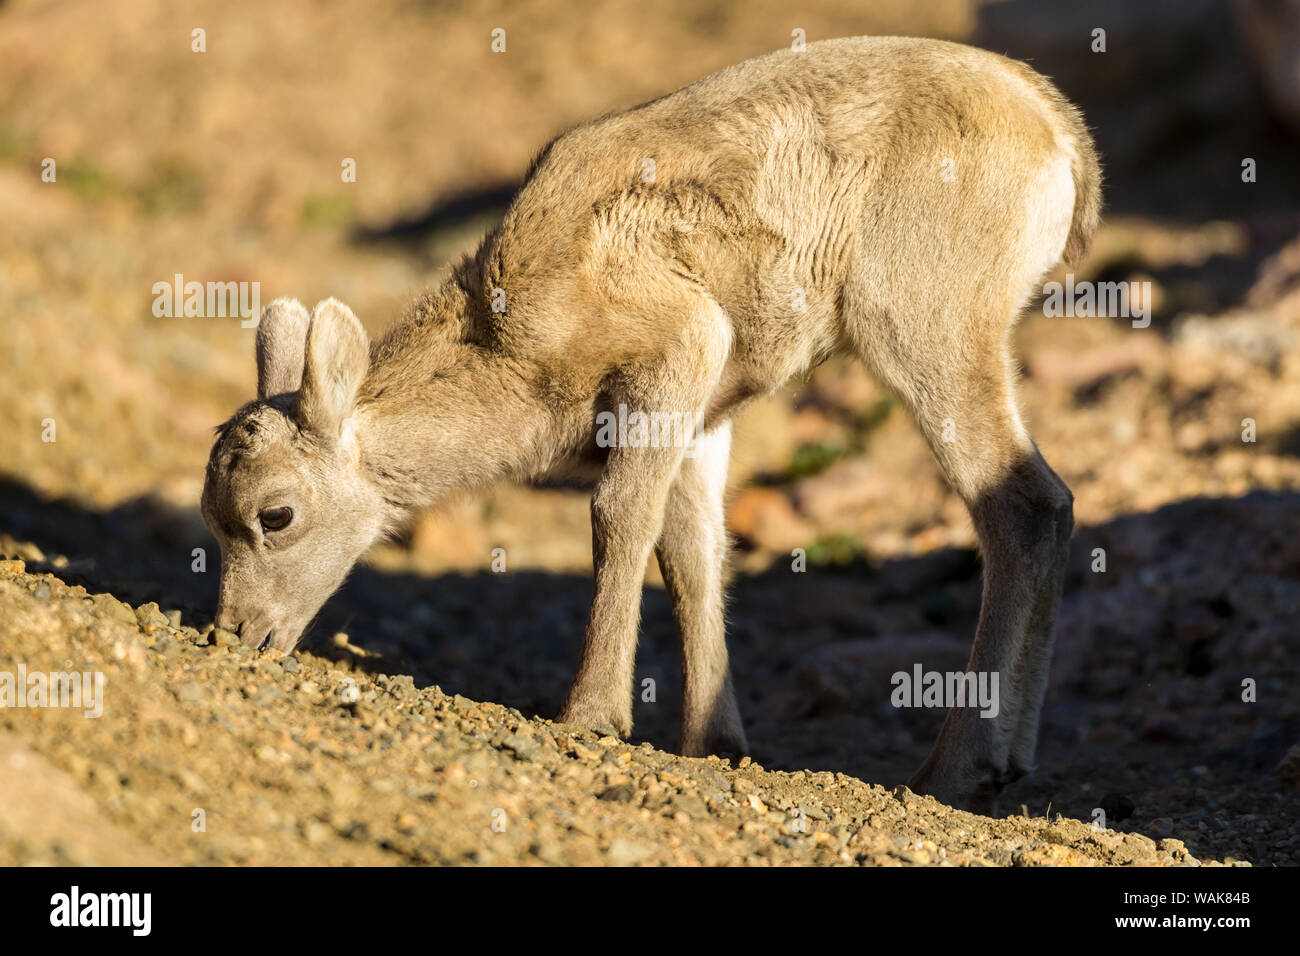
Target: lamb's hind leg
692, 552
1036, 654
1024, 522
1022, 515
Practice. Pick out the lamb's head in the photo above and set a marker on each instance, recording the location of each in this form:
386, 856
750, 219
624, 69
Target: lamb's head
285, 494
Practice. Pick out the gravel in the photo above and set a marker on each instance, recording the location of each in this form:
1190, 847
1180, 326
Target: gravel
207, 753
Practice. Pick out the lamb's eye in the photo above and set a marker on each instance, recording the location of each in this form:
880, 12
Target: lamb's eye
274, 519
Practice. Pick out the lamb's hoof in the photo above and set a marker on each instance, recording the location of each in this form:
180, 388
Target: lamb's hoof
728, 744
979, 795
597, 718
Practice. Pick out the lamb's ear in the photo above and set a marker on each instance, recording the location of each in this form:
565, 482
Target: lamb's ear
338, 356
281, 347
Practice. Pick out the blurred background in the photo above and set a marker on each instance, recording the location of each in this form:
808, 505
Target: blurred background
224, 165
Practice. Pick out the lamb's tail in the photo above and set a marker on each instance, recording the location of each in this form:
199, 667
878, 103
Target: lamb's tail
1087, 189
1073, 136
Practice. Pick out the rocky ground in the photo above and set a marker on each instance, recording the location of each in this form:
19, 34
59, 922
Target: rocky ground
375, 742
339, 757
411, 725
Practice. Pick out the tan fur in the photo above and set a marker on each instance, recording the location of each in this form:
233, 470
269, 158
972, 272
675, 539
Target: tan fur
894, 199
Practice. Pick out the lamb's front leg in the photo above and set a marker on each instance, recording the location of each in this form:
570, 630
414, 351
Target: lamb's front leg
626, 515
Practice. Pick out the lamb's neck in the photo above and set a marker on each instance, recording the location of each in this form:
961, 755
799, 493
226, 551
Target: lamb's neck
471, 423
